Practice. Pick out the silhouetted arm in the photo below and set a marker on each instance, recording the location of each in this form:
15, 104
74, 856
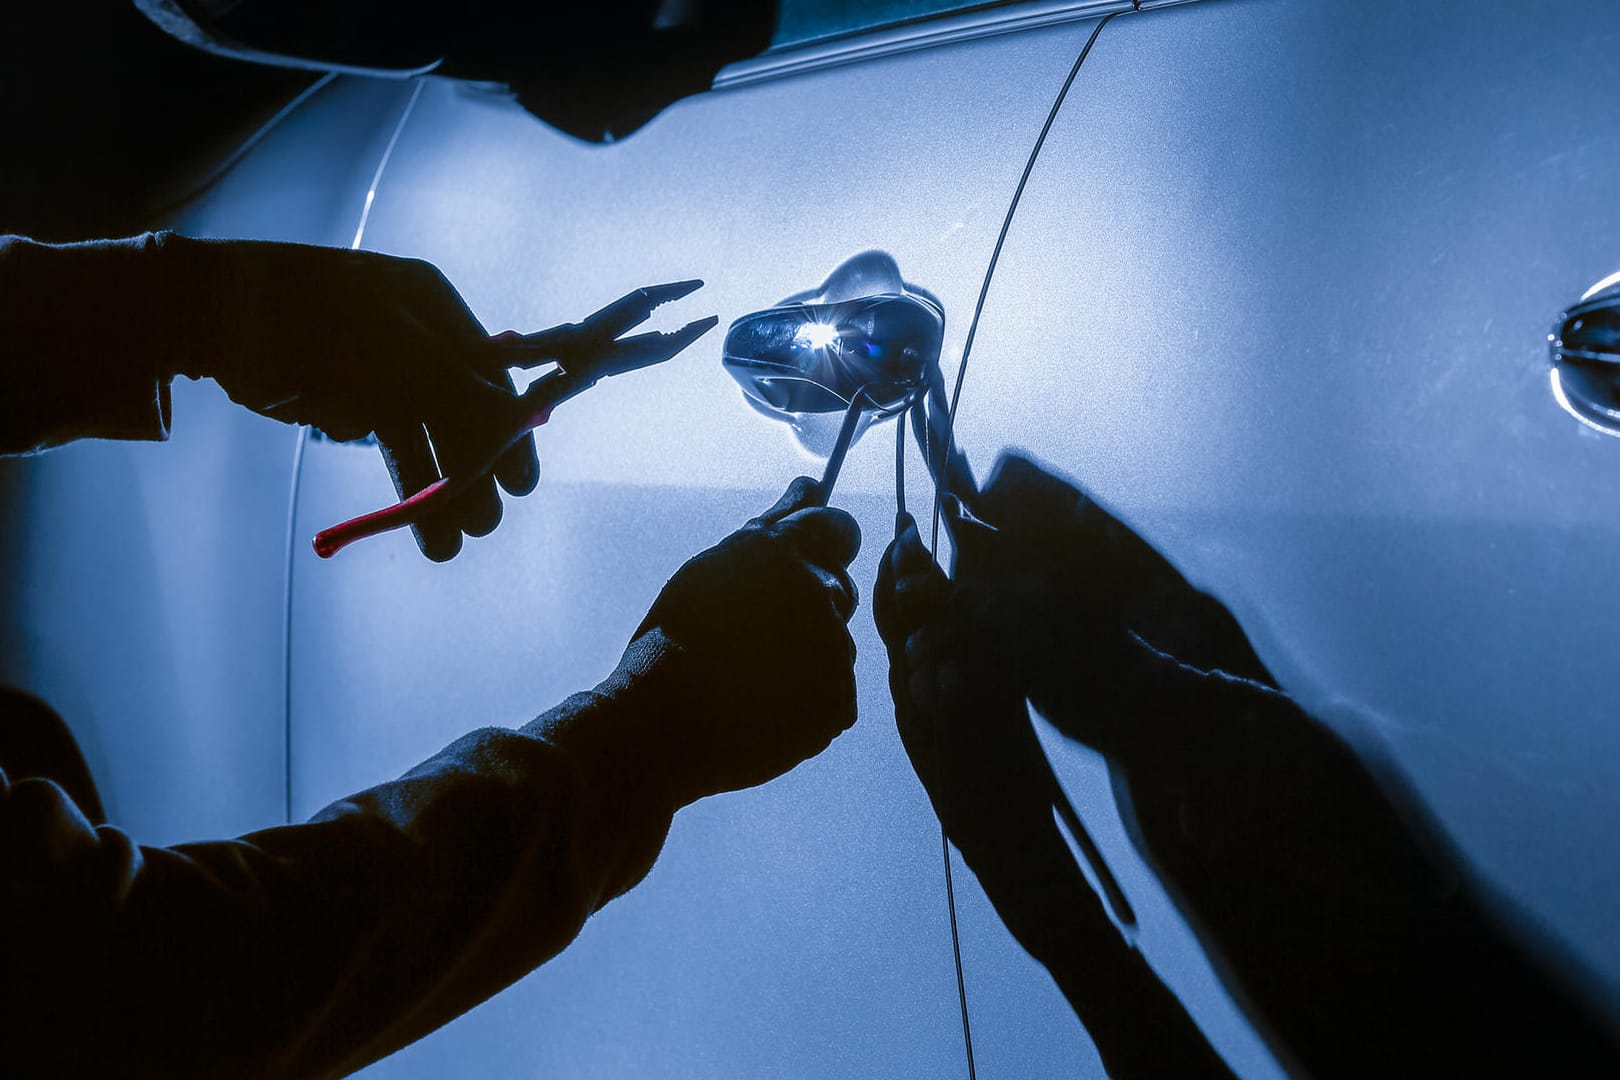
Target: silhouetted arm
313, 949
82, 340
1357, 936
352, 342
967, 732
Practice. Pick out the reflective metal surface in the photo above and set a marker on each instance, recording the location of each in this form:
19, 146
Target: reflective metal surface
802, 358
799, 929
1277, 293
1585, 347
980, 21
1294, 281
144, 584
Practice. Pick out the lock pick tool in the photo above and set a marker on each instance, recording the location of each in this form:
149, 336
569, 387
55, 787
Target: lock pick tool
584, 353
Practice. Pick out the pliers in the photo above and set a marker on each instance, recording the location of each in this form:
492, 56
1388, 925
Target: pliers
584, 352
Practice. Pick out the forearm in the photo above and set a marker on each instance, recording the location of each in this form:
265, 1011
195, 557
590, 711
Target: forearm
1140, 1028
314, 949
489, 858
86, 336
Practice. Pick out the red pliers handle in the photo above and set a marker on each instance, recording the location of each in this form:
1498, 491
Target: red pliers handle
584, 352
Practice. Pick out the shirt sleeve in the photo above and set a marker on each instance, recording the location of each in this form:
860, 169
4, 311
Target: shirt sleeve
84, 334
313, 949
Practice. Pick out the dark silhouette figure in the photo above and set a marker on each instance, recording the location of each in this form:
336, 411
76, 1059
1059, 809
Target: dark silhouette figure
1340, 917
596, 71
313, 949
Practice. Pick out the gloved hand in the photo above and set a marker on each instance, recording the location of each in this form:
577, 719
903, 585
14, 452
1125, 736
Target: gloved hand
964, 725
355, 342
1079, 609
1309, 877
962, 718
1115, 648
745, 658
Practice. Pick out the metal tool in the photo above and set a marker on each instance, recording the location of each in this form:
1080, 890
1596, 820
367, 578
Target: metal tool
584, 352
861, 404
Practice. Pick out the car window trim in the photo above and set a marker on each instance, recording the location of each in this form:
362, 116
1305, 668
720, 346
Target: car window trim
923, 33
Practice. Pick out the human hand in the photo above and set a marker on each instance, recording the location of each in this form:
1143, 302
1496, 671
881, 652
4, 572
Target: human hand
746, 653
1119, 651
966, 729
964, 725
354, 343
1077, 606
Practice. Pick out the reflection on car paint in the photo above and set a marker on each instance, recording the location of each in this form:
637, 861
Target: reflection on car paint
1585, 348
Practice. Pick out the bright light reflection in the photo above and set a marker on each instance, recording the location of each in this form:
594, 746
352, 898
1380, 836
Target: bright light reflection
1612, 279
1560, 396
816, 335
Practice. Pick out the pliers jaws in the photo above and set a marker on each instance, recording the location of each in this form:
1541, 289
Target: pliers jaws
590, 349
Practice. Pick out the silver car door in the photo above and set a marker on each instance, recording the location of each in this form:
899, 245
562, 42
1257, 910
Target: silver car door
800, 929
1282, 302
144, 593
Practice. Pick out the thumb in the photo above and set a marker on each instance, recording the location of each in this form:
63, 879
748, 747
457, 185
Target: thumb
801, 494
826, 536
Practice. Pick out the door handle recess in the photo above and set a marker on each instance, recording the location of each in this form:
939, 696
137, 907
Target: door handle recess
1585, 348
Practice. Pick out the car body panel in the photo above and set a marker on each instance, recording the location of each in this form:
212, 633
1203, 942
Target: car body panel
1294, 276
1277, 293
800, 929
144, 602
145, 590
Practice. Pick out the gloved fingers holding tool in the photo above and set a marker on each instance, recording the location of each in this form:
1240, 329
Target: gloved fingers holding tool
961, 713
963, 721
355, 342
748, 652
583, 353
455, 435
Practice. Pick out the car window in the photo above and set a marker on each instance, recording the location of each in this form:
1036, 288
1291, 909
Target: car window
801, 21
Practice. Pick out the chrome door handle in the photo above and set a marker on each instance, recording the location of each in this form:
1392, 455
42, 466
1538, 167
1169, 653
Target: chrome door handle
1585, 347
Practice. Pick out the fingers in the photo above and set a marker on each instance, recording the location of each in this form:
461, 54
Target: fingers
433, 300
907, 554
801, 494
462, 442
934, 676
883, 613
434, 386
828, 537
409, 459
828, 541
472, 400
845, 595
478, 511
518, 470
474, 418
919, 589
910, 588
920, 599
838, 689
